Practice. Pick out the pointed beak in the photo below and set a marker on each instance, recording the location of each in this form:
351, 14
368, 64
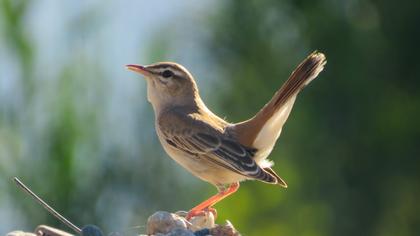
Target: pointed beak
139, 69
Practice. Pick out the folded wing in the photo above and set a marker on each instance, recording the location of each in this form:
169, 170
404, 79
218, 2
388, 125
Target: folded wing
199, 138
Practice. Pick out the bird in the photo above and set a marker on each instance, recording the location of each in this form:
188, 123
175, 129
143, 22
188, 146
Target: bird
211, 148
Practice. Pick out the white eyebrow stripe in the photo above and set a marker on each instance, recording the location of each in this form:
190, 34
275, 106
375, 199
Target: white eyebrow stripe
178, 70
176, 73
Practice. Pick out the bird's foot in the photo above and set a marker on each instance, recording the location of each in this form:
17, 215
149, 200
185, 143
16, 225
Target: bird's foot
213, 211
194, 213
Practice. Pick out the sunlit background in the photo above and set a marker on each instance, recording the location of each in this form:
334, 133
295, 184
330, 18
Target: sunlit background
76, 127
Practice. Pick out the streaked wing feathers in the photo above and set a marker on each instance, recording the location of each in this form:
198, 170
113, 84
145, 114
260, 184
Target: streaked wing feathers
199, 139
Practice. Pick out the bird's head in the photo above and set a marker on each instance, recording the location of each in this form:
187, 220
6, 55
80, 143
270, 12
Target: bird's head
168, 83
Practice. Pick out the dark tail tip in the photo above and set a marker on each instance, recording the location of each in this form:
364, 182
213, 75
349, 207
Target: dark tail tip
281, 182
312, 65
317, 58
278, 179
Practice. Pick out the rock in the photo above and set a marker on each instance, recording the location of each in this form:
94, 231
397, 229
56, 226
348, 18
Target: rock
202, 232
224, 230
180, 232
164, 222
167, 224
91, 230
160, 223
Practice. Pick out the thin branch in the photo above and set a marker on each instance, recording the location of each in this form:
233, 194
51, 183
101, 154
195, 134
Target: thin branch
47, 207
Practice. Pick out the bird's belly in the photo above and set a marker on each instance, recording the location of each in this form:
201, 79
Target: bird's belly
203, 168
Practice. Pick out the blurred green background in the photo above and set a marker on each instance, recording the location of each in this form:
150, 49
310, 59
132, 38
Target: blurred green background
76, 127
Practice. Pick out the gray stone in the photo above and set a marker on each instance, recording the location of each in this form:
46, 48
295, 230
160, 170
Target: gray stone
164, 222
224, 230
180, 232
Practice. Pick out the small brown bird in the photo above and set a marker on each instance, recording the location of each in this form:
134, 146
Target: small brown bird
211, 148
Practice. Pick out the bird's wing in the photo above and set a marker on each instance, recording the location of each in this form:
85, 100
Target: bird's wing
264, 128
197, 137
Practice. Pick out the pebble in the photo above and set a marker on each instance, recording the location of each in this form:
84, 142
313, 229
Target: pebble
164, 222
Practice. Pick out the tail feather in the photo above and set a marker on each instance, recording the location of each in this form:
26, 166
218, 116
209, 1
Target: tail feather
266, 176
301, 76
280, 181
262, 130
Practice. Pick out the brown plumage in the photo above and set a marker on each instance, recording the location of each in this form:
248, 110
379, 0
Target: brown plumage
209, 147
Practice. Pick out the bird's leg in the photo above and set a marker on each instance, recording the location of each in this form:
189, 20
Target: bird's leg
207, 204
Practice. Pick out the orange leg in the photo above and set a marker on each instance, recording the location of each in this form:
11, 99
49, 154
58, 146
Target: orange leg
207, 204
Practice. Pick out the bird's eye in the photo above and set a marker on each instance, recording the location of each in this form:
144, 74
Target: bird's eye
167, 74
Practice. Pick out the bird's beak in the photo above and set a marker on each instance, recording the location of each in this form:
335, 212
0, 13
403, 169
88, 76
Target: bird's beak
140, 69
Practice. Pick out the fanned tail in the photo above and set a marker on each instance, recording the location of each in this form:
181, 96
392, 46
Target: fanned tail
264, 128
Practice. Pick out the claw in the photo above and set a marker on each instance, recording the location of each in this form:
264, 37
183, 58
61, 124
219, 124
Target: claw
207, 205
194, 213
213, 211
